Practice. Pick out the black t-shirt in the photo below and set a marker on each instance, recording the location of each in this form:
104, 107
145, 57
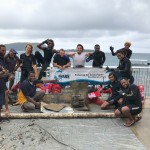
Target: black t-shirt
11, 63
27, 61
61, 61
48, 54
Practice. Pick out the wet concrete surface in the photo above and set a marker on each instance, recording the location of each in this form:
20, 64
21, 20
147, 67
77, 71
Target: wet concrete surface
68, 134
75, 134
142, 128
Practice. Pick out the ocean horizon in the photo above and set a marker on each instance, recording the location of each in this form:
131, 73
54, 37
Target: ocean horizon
110, 60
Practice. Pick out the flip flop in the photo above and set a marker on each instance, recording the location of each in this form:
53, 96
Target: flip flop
129, 124
138, 118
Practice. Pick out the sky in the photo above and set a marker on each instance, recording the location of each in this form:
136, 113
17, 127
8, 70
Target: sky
72, 22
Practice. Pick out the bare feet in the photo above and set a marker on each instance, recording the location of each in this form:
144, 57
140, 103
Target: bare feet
7, 113
129, 123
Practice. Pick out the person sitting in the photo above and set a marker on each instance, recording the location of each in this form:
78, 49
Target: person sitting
61, 60
127, 52
79, 58
131, 102
28, 97
115, 88
124, 68
98, 57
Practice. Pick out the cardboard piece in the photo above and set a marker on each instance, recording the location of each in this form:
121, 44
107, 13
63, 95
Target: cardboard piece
54, 107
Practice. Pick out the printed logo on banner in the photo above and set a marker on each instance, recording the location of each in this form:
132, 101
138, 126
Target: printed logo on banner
59, 75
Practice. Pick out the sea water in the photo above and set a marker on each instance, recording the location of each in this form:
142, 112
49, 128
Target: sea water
110, 60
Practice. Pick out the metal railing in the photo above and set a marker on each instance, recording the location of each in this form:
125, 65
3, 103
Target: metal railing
141, 77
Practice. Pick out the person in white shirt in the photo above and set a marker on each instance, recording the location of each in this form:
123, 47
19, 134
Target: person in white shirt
79, 58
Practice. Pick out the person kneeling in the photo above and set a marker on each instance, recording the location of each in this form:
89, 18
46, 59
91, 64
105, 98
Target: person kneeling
131, 104
28, 97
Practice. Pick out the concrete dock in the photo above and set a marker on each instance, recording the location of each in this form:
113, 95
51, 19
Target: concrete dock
76, 134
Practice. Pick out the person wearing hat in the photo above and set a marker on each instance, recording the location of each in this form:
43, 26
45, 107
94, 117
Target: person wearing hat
98, 57
12, 64
127, 52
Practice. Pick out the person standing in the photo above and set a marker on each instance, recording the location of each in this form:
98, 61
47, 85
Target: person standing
12, 64
27, 63
98, 57
48, 54
4, 76
127, 52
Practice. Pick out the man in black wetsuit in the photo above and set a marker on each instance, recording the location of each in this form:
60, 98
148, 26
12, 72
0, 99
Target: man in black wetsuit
114, 85
124, 68
48, 54
98, 57
126, 50
131, 102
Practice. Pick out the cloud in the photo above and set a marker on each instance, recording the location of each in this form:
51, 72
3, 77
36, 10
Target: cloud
99, 21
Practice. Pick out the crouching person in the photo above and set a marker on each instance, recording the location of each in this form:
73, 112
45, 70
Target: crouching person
115, 88
28, 97
131, 103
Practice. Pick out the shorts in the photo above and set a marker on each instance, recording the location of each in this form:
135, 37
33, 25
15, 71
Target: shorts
28, 106
2, 99
134, 109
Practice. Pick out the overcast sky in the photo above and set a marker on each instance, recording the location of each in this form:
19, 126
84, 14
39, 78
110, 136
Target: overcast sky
70, 22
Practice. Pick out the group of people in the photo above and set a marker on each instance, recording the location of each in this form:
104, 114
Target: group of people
125, 97
29, 98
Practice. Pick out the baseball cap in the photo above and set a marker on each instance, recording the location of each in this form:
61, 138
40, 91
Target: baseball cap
13, 50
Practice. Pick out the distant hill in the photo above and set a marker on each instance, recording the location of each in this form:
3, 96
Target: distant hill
21, 47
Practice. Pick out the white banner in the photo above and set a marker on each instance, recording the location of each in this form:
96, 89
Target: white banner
90, 75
